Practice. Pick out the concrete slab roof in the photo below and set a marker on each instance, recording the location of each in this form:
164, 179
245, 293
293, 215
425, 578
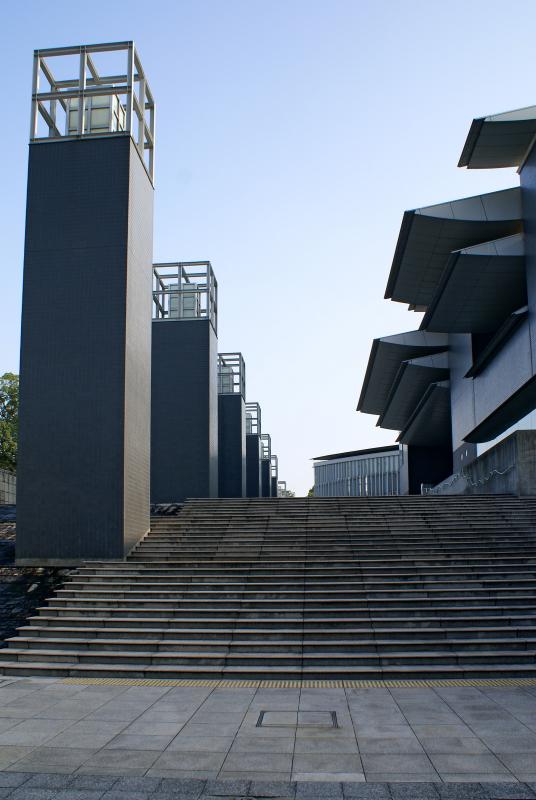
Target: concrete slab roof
411, 382
429, 235
430, 425
479, 288
500, 140
386, 356
369, 451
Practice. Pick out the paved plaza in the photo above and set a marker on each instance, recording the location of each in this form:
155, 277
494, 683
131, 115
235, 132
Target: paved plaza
59, 738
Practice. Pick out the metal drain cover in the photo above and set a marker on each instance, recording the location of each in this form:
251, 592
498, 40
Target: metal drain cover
297, 719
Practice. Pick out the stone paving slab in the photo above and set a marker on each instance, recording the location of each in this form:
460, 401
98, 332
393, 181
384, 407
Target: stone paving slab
24, 786
395, 743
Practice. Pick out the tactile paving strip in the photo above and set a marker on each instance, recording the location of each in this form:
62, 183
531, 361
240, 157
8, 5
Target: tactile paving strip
230, 684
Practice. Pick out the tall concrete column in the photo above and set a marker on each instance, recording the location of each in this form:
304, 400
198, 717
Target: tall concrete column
231, 425
253, 450
184, 398
83, 476
266, 471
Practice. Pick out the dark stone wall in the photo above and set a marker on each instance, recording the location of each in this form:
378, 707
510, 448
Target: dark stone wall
253, 465
231, 445
184, 411
273, 487
266, 481
86, 328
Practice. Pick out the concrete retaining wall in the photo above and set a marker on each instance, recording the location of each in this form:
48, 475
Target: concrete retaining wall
507, 468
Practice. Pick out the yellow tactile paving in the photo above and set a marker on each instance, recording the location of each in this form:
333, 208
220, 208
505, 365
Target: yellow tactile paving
231, 684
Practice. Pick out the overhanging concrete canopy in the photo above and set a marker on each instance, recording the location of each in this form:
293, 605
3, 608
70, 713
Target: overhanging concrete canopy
480, 287
386, 356
514, 408
429, 235
500, 140
430, 425
411, 383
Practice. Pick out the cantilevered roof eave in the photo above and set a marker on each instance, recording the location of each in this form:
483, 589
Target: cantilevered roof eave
386, 356
430, 234
352, 453
430, 422
480, 287
368, 374
410, 385
499, 140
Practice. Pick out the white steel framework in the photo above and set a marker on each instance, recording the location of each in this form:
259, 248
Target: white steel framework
112, 104
185, 290
253, 418
266, 447
231, 374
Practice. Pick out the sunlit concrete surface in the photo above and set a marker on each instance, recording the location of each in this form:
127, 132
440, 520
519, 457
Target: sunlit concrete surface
341, 736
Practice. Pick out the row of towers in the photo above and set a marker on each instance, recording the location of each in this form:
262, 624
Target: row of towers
124, 398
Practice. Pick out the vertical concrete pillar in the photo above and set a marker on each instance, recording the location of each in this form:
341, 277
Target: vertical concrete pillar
184, 410
231, 445
83, 475
253, 465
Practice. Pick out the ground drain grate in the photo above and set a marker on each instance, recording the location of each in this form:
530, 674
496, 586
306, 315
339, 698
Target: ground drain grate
297, 719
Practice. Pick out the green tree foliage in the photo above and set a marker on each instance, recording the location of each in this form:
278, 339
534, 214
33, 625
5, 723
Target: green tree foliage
9, 420
311, 492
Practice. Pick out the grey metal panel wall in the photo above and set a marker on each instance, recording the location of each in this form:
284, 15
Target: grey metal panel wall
265, 478
184, 411
528, 201
475, 400
273, 487
78, 400
461, 389
232, 445
253, 465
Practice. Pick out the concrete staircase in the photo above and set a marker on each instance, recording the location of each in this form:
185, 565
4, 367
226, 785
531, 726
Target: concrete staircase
343, 588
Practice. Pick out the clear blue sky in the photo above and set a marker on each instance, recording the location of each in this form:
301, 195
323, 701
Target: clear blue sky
291, 136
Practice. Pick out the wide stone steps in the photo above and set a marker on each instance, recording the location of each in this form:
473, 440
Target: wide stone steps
307, 648
482, 621
348, 588
273, 658
342, 588
236, 636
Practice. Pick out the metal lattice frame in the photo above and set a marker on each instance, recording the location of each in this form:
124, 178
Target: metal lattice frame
274, 466
231, 374
253, 418
281, 488
266, 447
130, 88
185, 290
